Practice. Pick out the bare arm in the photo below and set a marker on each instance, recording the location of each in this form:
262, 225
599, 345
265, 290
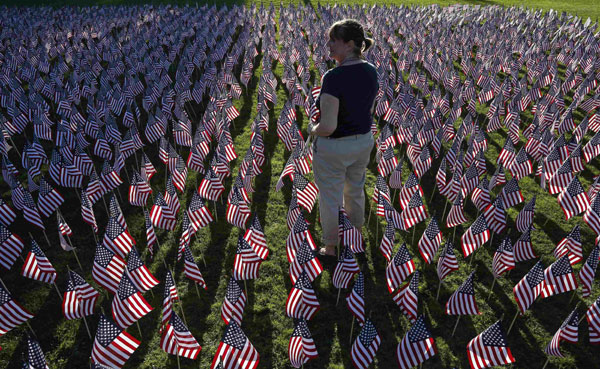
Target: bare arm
330, 106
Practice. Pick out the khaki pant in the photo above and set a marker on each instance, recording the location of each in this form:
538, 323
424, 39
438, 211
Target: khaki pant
339, 165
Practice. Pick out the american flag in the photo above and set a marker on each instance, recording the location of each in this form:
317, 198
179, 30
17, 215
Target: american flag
117, 238
63, 227
469, 181
477, 234
302, 301
440, 177
190, 268
345, 269
365, 346
414, 212
35, 356
573, 200
306, 192
150, 235
79, 298
388, 162
423, 162
30, 211
399, 268
511, 193
176, 339
238, 211
235, 350
416, 346
161, 215
481, 195
171, 197
198, 213
390, 213
523, 248
356, 299
504, 259
561, 179
12, 313
305, 261
11, 246
49, 198
489, 348
382, 189
588, 271
525, 217
94, 189
169, 296
447, 262
568, 331
128, 305
87, 212
592, 215
147, 169
109, 178
456, 215
108, 268
407, 297
7, 214
139, 190
210, 187
246, 263
498, 178
140, 276
255, 236
112, 345
462, 301
302, 346
507, 154
593, 319
293, 212
495, 215
430, 241
410, 187
570, 246
529, 287
37, 266
387, 242
297, 235
234, 302
559, 278
396, 176
349, 235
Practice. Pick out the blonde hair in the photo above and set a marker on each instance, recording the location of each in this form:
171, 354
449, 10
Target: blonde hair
351, 29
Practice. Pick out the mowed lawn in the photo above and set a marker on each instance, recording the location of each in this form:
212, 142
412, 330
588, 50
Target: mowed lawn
67, 345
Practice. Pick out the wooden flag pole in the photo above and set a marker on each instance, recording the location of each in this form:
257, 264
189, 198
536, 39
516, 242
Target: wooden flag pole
444, 212
87, 328
432, 193
438, 291
513, 322
546, 363
45, 236
413, 236
60, 296
456, 325
178, 365
472, 257
77, 258
338, 296
352, 328
138, 326
369, 218
491, 289
196, 285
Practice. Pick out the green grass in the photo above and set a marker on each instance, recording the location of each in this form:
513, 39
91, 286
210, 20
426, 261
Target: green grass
67, 345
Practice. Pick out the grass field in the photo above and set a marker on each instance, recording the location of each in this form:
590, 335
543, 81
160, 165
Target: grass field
67, 345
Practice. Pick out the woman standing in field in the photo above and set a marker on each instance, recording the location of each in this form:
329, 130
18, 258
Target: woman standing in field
343, 143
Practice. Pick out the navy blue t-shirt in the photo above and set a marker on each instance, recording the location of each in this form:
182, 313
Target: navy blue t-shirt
355, 86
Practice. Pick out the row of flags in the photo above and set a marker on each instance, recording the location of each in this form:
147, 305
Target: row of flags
55, 110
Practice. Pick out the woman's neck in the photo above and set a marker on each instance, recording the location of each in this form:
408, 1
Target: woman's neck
348, 60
